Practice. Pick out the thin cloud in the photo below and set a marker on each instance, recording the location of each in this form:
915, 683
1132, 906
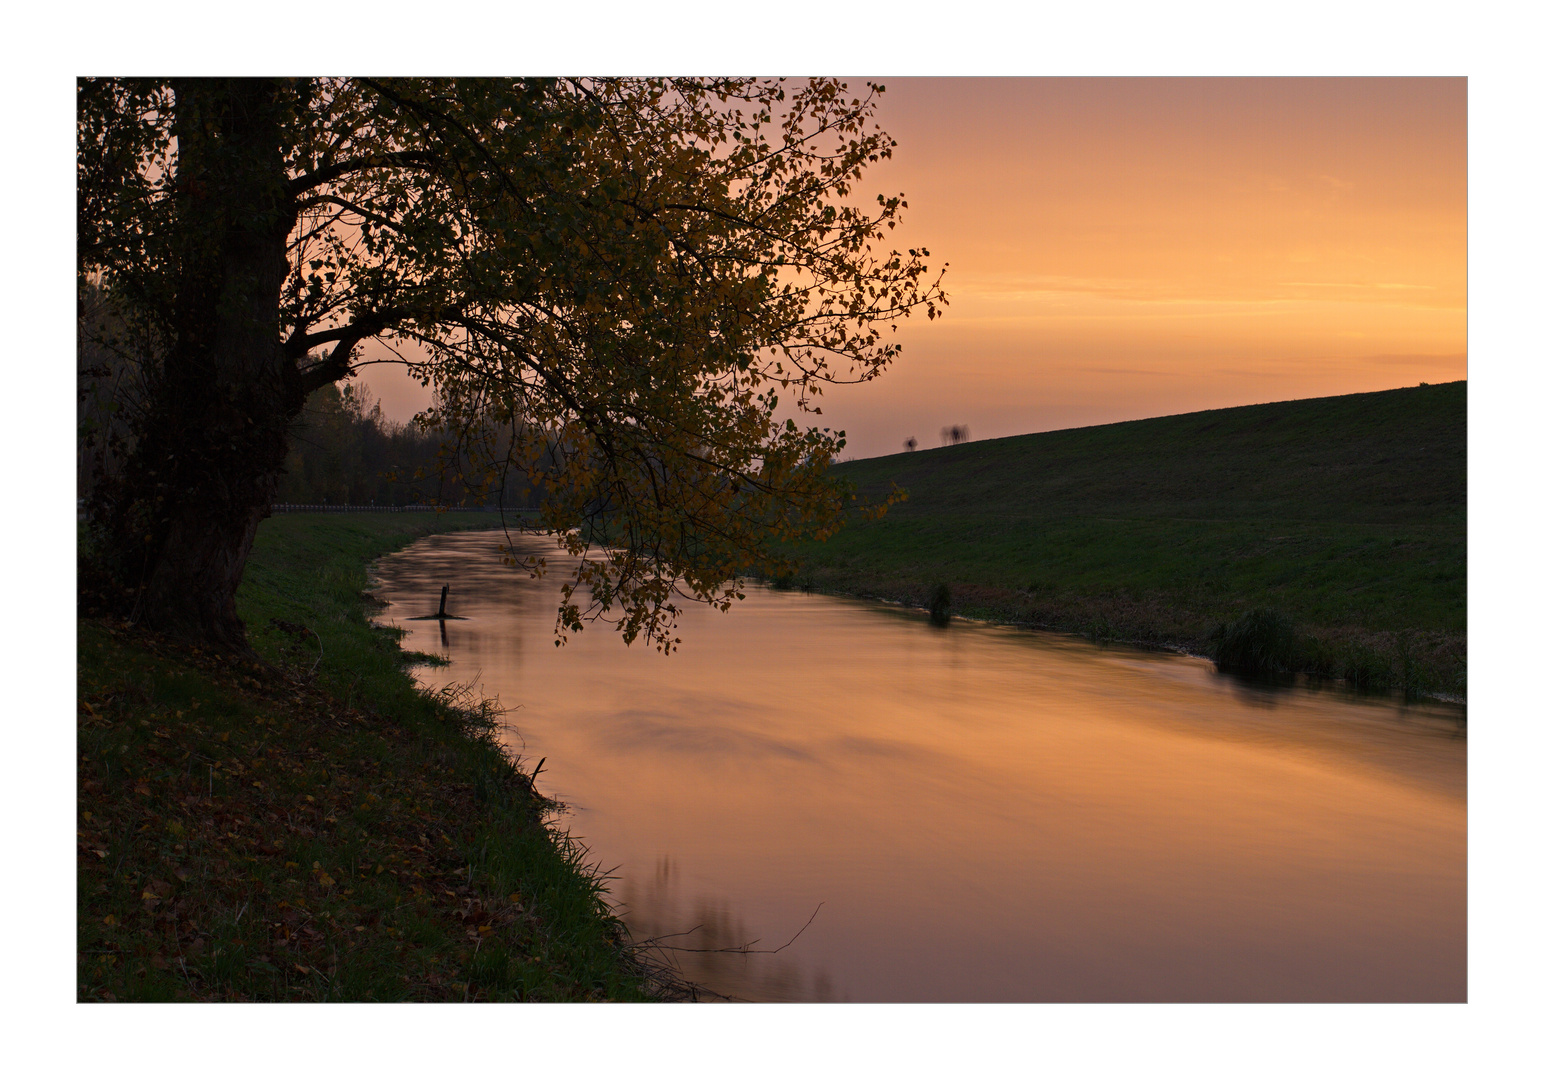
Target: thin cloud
1352, 285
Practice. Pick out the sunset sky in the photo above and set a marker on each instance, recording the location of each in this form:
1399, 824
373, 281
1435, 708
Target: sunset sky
1129, 247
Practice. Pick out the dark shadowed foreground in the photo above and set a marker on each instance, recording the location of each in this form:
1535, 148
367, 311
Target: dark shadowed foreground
318, 831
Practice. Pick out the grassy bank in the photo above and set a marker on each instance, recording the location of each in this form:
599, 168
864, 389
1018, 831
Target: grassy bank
1339, 519
328, 833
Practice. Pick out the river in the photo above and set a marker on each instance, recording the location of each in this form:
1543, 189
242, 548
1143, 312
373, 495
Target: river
885, 811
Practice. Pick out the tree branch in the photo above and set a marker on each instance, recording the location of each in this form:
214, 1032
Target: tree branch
400, 159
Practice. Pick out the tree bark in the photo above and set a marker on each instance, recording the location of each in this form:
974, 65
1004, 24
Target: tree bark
211, 454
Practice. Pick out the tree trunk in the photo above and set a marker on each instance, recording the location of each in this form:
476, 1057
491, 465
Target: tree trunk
212, 450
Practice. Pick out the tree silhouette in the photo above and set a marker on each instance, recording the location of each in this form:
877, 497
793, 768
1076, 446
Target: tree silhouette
627, 276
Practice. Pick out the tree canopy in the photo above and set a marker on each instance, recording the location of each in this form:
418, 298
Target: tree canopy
630, 275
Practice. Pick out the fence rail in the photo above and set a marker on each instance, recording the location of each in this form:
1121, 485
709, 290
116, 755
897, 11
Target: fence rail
340, 508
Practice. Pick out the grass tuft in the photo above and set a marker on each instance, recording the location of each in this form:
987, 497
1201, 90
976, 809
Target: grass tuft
1261, 642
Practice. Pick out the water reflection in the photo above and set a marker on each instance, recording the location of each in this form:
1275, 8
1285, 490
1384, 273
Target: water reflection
979, 814
1260, 691
701, 936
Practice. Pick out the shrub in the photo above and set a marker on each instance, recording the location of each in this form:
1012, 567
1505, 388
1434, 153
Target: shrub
938, 606
1262, 641
1367, 670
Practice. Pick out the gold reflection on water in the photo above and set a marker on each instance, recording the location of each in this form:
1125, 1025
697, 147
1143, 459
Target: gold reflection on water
702, 938
979, 814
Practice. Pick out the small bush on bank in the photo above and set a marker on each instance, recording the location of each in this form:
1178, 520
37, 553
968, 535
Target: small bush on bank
938, 606
1260, 642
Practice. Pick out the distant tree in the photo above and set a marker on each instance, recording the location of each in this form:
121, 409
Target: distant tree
622, 274
342, 449
911, 442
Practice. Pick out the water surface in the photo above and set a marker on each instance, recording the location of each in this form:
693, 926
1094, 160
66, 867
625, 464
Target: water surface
976, 813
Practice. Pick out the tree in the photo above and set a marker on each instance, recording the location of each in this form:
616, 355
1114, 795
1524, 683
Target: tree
343, 449
626, 272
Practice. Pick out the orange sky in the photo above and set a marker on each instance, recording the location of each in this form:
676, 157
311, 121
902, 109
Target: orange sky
1122, 248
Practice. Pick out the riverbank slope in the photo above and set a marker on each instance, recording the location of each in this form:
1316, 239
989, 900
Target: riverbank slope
1342, 517
319, 831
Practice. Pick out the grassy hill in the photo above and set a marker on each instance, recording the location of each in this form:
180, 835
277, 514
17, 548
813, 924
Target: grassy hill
1345, 515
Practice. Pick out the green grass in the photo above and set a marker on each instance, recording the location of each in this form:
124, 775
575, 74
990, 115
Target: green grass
336, 836
1344, 516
